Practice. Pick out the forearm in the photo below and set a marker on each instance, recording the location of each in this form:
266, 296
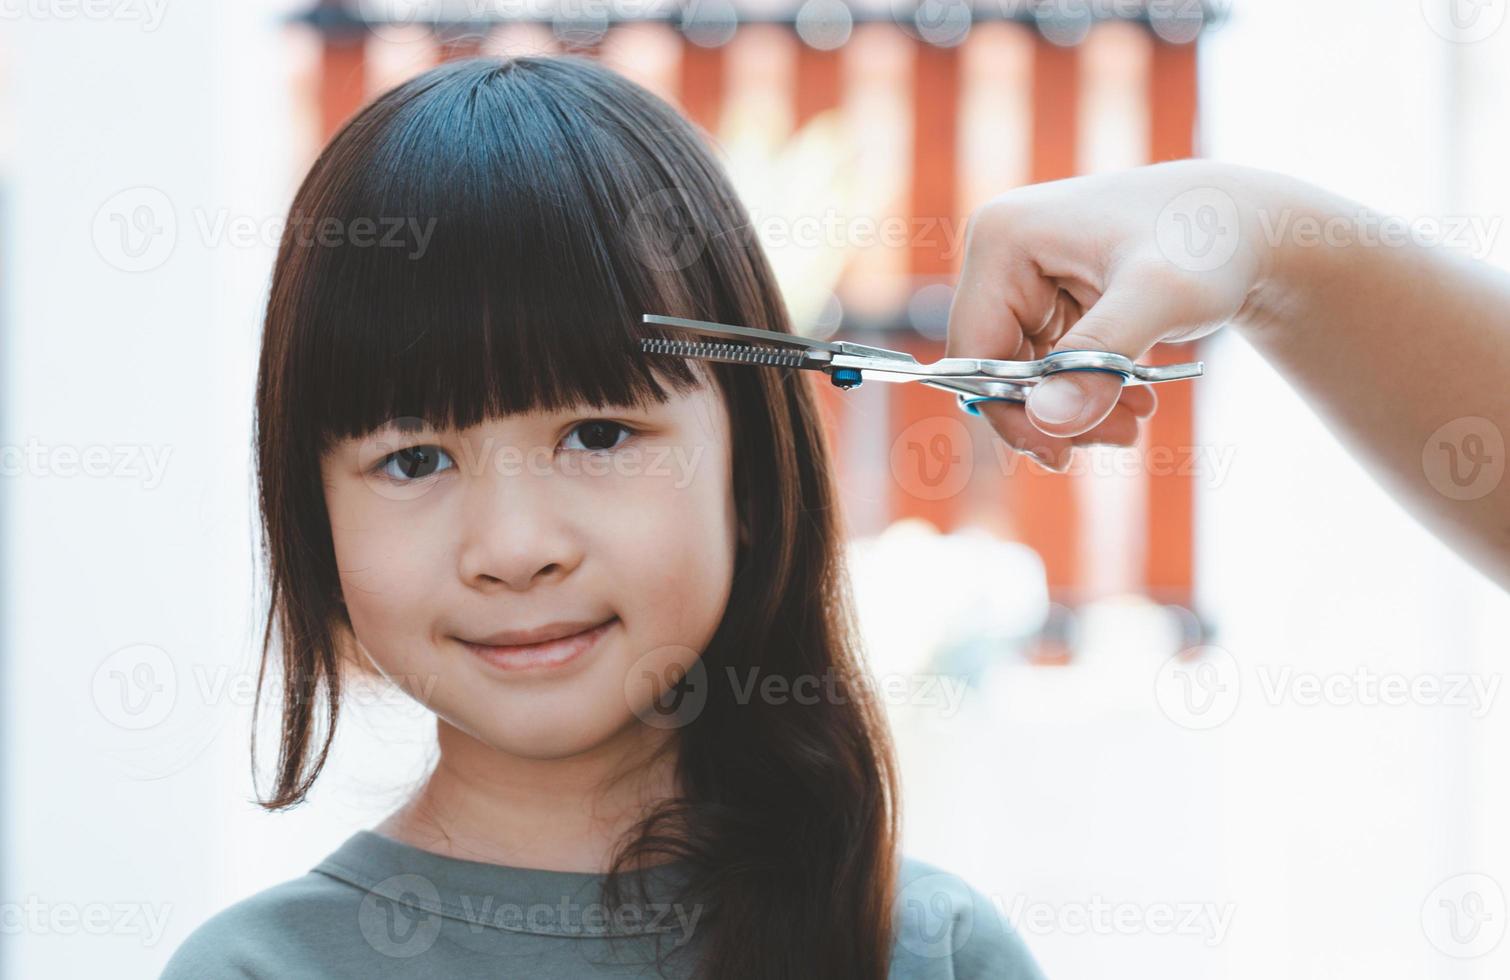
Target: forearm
1390, 343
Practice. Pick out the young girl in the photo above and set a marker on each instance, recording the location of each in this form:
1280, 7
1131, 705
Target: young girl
614, 577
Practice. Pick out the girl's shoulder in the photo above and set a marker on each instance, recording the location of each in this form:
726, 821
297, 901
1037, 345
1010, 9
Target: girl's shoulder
951, 929
269, 934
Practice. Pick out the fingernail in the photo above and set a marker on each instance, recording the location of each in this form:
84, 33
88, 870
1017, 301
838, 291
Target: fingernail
1040, 459
1057, 400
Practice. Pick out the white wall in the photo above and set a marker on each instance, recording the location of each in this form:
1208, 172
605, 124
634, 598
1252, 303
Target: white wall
105, 820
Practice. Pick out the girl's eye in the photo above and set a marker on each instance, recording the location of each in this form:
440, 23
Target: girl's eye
414, 463
598, 435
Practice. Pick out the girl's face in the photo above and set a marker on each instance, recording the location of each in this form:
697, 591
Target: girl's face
444, 539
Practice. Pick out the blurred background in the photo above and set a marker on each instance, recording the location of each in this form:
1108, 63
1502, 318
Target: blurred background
1213, 706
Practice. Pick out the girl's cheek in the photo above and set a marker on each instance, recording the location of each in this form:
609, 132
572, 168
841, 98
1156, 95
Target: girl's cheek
388, 545
387, 555
652, 468
687, 483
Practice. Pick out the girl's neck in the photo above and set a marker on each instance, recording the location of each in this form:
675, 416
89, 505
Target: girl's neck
567, 814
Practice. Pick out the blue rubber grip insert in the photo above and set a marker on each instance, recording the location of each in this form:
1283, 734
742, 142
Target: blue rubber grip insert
1072, 350
968, 404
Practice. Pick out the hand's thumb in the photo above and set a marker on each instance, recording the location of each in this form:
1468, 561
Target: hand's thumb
1128, 320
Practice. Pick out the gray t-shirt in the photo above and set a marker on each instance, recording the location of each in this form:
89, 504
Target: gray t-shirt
377, 907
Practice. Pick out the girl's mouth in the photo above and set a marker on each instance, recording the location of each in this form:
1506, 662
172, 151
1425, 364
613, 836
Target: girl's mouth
541, 656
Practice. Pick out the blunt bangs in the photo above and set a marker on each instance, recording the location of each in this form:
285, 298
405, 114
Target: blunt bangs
487, 250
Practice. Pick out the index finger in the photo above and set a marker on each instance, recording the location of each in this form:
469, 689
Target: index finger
998, 300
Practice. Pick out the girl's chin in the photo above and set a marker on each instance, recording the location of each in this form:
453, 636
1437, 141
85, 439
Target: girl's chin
555, 739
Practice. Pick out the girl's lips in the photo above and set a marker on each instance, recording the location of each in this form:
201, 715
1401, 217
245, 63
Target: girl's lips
541, 656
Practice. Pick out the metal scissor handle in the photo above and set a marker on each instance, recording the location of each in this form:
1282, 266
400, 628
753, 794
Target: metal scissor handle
972, 380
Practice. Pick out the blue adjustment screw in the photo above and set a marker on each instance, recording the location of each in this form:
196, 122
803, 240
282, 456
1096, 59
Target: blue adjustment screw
846, 378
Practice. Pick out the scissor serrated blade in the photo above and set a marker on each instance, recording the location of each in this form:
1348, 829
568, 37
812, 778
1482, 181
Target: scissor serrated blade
727, 353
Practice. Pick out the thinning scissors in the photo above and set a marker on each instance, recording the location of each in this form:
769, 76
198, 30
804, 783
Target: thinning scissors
972, 380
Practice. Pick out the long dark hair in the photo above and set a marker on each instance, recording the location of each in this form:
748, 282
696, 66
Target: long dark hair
533, 208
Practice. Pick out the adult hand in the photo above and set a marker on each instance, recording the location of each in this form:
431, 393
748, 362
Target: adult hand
1115, 262
1402, 346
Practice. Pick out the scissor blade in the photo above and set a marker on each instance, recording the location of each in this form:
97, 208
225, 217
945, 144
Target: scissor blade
731, 353
821, 349
730, 330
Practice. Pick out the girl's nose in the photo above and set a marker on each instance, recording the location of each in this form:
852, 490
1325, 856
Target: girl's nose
516, 534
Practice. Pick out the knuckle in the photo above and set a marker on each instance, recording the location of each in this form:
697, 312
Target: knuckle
1001, 213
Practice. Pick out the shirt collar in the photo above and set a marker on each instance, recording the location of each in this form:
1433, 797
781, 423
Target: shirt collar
531, 900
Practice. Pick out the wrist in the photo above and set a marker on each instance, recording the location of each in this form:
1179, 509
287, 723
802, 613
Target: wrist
1286, 221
